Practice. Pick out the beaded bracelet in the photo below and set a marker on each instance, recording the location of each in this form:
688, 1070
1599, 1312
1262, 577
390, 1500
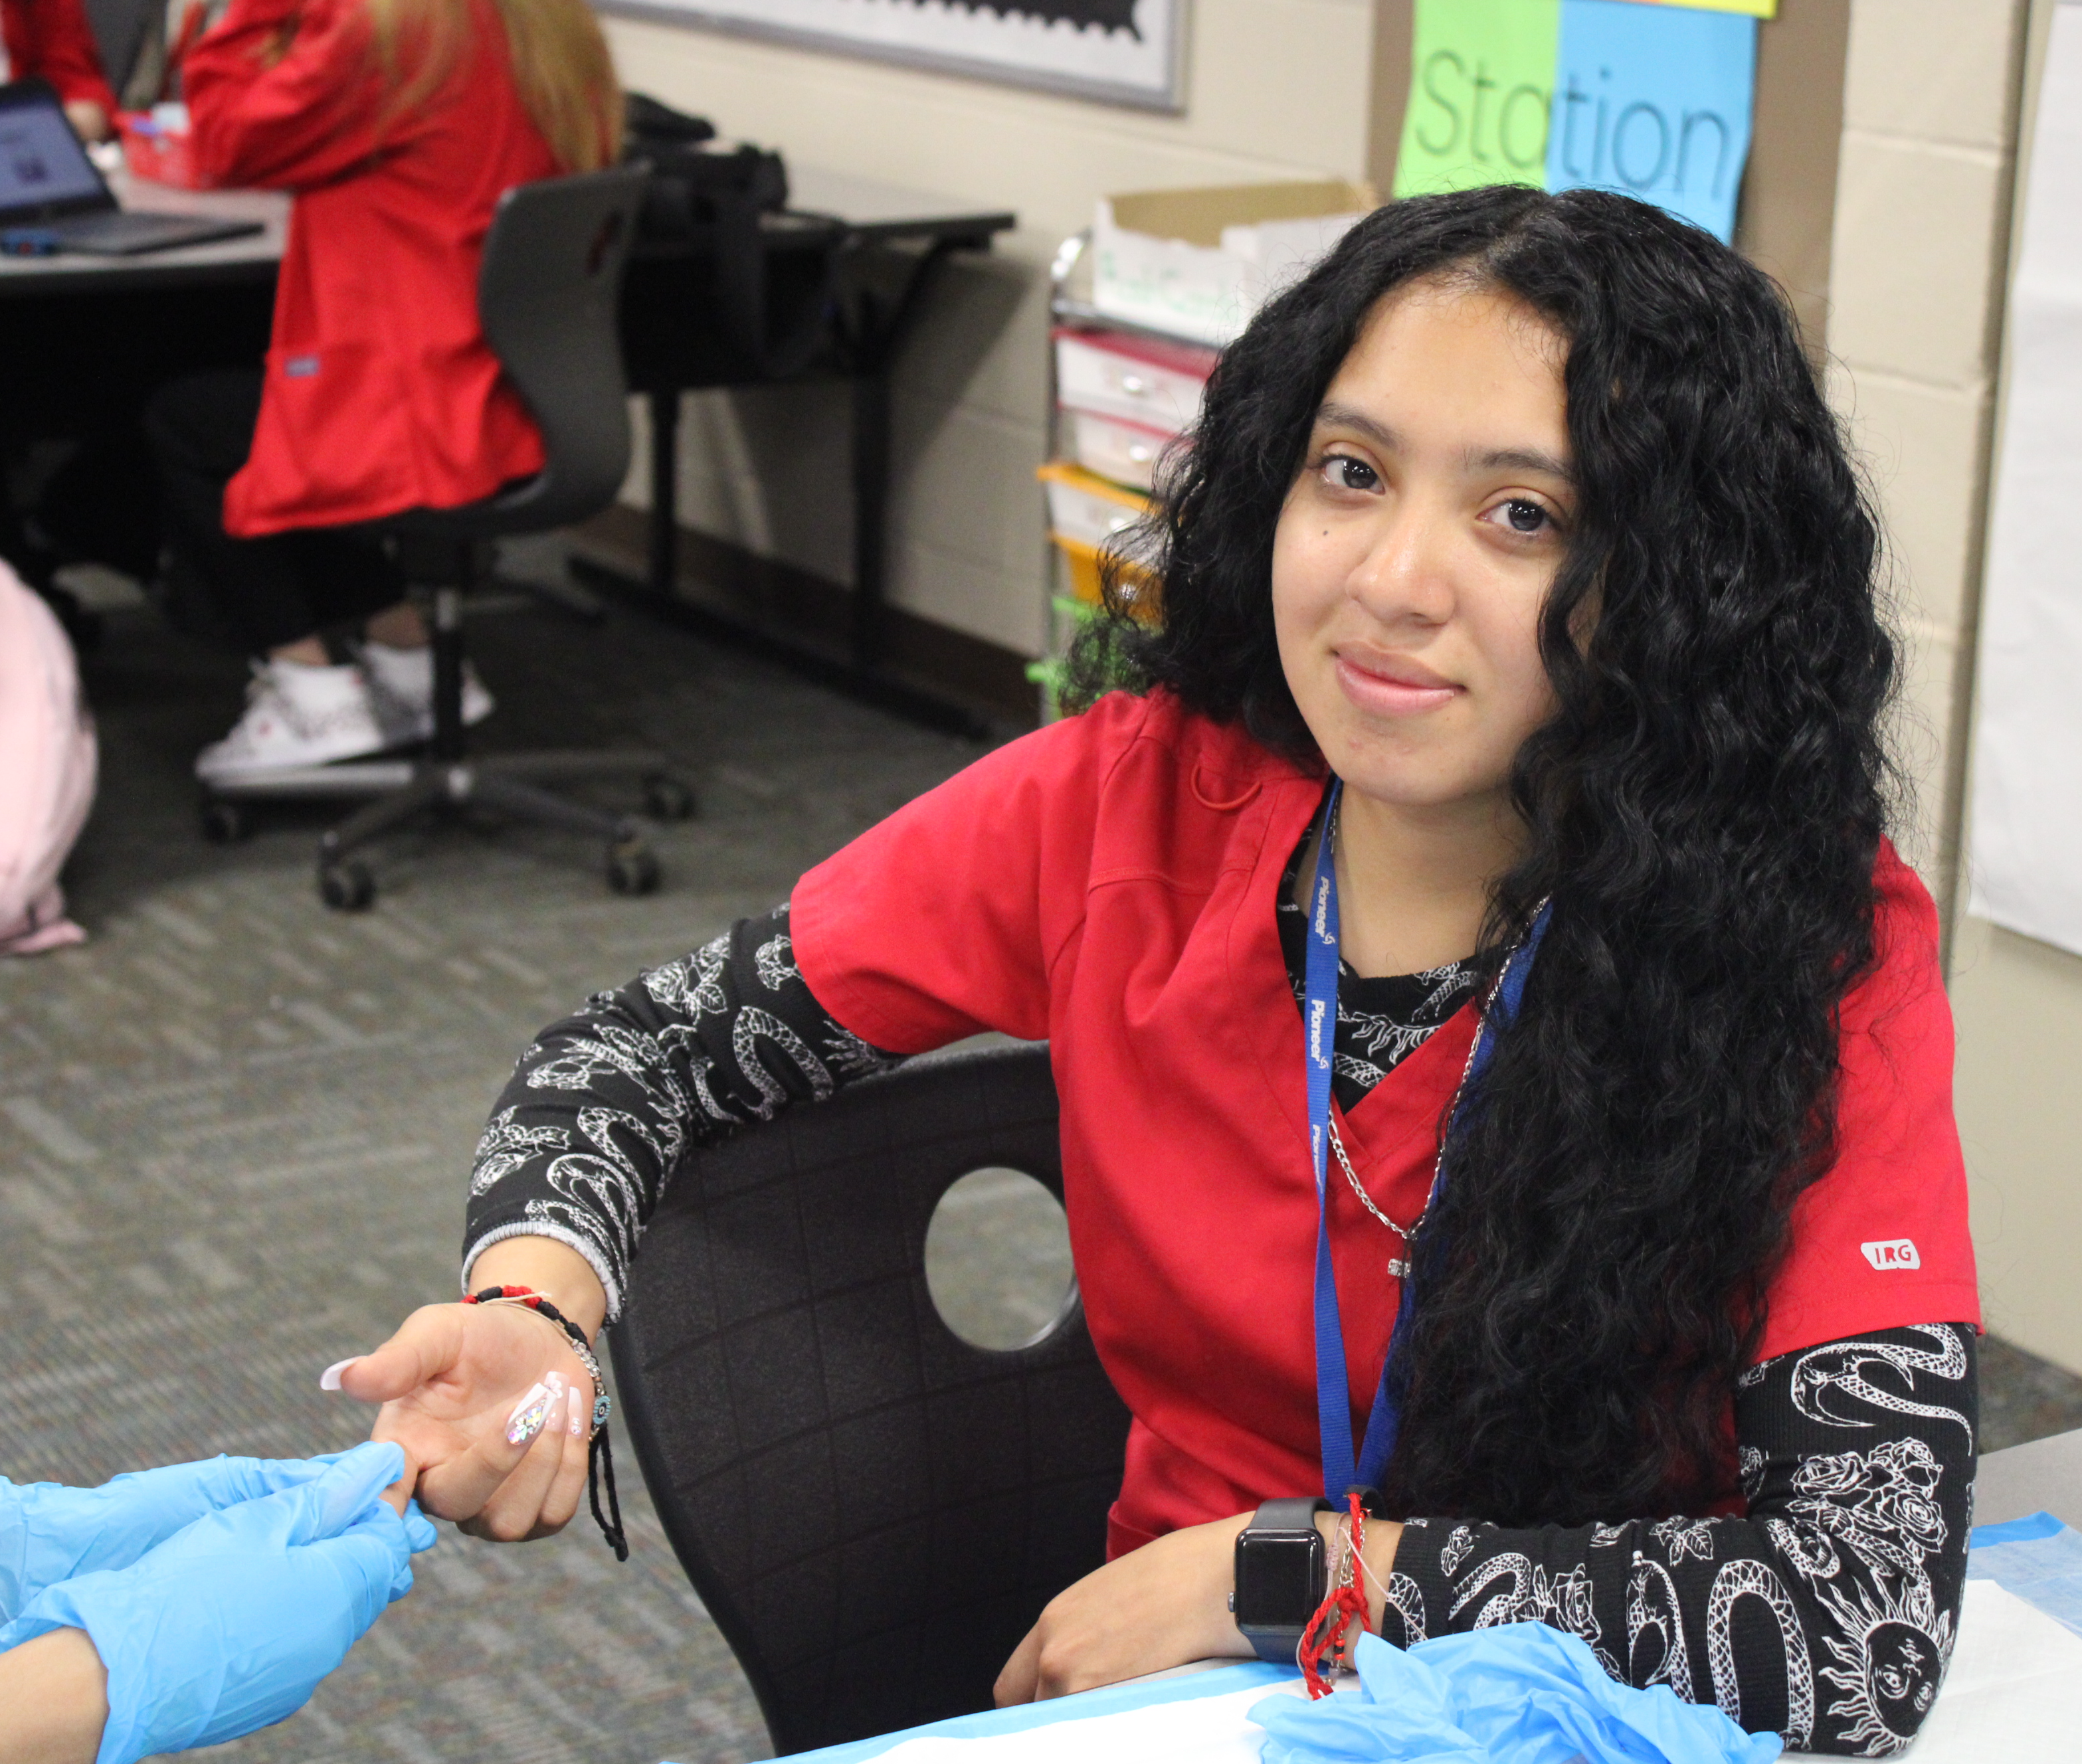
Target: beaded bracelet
599, 1451
527, 1296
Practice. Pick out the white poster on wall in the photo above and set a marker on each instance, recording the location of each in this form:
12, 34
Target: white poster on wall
2025, 850
1127, 51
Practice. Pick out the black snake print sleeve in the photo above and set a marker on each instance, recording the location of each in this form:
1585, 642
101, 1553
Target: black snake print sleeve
1825, 1613
601, 1108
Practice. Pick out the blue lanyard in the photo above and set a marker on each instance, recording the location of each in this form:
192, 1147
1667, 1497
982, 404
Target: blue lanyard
1340, 1470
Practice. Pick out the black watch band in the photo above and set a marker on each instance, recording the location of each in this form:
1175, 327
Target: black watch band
1282, 1573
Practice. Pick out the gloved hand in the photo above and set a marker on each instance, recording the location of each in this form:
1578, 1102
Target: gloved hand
49, 1533
229, 1626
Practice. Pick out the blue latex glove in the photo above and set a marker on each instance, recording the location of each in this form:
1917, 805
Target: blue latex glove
229, 1625
1521, 1693
49, 1533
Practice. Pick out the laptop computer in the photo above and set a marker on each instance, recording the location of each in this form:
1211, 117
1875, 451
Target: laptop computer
47, 185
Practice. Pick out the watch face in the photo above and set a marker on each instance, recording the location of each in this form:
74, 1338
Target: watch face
1275, 1580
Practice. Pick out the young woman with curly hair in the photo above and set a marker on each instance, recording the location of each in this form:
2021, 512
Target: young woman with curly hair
1516, 706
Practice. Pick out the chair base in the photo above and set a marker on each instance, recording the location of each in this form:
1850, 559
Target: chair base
508, 784
448, 779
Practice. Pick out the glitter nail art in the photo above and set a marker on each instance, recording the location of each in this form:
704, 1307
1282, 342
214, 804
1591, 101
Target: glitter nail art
528, 1414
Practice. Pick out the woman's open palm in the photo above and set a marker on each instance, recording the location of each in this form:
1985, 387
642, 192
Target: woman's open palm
453, 1382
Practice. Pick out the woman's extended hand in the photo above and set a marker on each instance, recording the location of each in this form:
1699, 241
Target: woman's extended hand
453, 1381
451, 1378
1161, 1606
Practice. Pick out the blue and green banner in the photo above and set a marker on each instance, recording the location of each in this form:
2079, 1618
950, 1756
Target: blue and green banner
1649, 97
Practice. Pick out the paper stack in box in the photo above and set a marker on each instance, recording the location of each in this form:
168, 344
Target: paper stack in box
1198, 263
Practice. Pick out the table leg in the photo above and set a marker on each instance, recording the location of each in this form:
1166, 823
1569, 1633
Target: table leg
665, 493
447, 661
878, 328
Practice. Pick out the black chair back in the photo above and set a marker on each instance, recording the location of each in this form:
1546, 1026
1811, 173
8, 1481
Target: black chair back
873, 1511
121, 29
548, 293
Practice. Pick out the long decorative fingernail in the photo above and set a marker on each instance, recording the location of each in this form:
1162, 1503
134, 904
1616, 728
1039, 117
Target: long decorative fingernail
577, 1410
528, 1414
329, 1378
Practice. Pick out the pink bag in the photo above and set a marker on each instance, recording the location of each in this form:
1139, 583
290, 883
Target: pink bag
46, 770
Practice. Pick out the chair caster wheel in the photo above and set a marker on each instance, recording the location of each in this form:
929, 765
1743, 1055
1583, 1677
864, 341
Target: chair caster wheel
667, 799
224, 822
346, 887
631, 870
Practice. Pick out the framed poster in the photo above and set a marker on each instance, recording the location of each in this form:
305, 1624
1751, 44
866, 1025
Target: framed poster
1122, 51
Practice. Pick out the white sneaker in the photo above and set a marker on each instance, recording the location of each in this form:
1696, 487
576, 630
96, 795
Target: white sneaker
296, 715
402, 680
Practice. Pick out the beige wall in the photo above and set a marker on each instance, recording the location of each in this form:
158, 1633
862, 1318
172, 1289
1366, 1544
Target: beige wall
1917, 254
1276, 88
1933, 93
2018, 1005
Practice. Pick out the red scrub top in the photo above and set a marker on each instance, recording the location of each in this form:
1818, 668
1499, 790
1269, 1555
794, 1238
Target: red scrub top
51, 40
381, 392
1110, 883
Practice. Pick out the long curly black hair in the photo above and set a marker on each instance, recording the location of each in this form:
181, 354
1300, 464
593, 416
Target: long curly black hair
1703, 809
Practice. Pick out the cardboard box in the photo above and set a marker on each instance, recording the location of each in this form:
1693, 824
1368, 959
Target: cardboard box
1198, 263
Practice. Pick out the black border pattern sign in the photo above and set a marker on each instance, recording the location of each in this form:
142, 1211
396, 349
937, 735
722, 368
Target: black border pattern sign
1121, 52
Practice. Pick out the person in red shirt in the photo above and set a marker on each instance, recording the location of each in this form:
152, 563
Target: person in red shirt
51, 40
397, 125
1503, 1062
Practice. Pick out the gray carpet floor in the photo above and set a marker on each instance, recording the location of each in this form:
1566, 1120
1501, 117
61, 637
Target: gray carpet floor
234, 1127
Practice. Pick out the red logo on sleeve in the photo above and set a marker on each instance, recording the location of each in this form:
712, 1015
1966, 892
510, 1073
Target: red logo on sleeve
1896, 1252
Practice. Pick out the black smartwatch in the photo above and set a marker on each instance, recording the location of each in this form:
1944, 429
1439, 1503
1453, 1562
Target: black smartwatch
1282, 1573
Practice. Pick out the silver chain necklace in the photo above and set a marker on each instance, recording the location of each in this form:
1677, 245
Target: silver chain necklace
1398, 1266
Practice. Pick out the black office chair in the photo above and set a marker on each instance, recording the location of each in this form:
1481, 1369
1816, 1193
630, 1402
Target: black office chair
548, 294
873, 1511
122, 31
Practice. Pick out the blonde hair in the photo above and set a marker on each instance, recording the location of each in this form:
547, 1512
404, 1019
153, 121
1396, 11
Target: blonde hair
559, 59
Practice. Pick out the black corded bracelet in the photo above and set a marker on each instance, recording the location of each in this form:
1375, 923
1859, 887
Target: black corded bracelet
599, 1451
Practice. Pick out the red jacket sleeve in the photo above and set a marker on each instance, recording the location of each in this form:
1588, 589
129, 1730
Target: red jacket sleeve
308, 118
1881, 1242
52, 41
948, 919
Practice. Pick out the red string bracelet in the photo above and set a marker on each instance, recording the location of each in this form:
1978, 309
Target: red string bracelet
1343, 1604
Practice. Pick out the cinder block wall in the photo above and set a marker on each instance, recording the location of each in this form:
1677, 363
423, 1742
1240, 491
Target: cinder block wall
1276, 89
1918, 257
2018, 1005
